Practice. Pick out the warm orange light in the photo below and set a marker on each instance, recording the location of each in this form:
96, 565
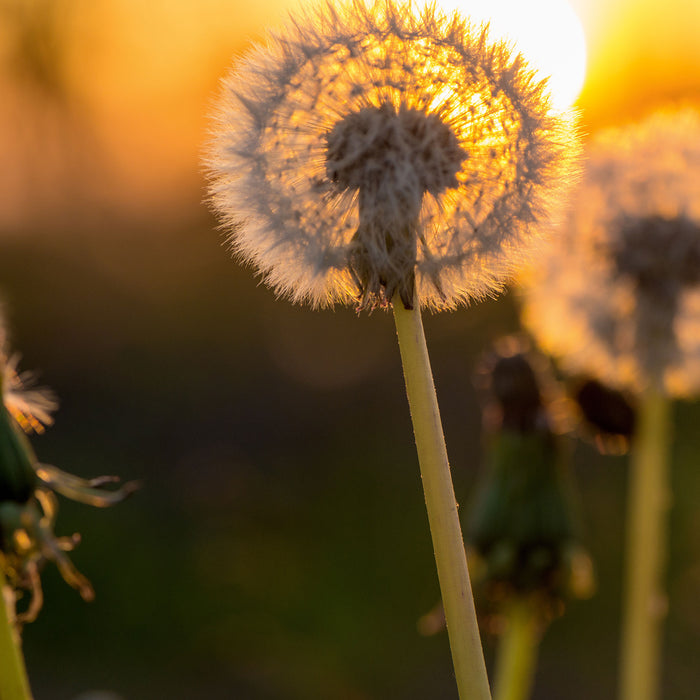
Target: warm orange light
547, 32
643, 55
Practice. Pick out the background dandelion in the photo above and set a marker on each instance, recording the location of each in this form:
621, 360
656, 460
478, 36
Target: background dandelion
625, 266
617, 297
524, 532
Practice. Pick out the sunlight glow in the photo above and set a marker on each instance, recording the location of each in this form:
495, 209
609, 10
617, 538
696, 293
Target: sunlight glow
547, 32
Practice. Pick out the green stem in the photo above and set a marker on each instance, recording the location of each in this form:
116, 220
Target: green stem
14, 684
462, 627
645, 600
517, 653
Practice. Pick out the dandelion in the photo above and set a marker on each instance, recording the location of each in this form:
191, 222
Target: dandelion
28, 509
525, 551
374, 155
617, 296
367, 150
523, 526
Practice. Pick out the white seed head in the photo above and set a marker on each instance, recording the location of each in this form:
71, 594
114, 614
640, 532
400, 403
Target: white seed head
617, 293
367, 149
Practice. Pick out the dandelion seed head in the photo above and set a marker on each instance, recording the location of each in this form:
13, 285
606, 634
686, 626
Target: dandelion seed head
617, 293
370, 148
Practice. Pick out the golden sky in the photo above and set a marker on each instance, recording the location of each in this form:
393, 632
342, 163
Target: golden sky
105, 101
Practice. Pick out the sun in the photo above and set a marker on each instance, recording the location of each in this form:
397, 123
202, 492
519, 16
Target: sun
547, 32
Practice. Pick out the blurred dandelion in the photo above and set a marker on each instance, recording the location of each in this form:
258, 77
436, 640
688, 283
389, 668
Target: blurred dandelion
524, 526
525, 554
383, 156
28, 509
617, 296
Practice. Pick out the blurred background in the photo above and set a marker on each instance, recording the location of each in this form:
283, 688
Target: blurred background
279, 548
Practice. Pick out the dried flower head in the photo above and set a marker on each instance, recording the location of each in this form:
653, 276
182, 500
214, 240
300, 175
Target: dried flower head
367, 150
617, 294
28, 505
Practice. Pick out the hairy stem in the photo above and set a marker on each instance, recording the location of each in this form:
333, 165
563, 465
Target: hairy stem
462, 627
645, 599
14, 684
517, 652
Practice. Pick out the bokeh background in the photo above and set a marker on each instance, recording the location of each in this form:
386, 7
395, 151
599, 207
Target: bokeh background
279, 548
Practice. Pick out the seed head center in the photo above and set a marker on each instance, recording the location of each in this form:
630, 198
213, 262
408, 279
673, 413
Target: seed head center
407, 153
661, 255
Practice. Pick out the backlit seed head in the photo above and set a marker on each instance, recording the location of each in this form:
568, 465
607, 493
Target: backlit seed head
373, 149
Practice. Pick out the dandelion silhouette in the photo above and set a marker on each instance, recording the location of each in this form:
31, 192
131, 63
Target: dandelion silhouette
370, 154
617, 296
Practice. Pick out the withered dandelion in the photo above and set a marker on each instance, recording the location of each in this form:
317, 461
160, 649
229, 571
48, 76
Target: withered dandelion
27, 502
367, 149
380, 155
28, 508
617, 296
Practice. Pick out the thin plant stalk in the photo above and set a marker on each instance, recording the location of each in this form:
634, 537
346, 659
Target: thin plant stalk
14, 684
458, 602
647, 533
517, 652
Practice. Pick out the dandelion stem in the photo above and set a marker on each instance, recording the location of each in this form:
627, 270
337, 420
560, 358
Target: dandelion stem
462, 627
517, 653
14, 684
645, 598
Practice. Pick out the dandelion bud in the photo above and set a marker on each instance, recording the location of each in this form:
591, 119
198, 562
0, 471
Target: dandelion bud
523, 532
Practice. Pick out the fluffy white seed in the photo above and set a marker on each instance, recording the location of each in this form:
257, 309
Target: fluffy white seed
366, 147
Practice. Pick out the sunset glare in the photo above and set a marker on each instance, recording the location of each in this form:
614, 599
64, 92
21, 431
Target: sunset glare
547, 32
